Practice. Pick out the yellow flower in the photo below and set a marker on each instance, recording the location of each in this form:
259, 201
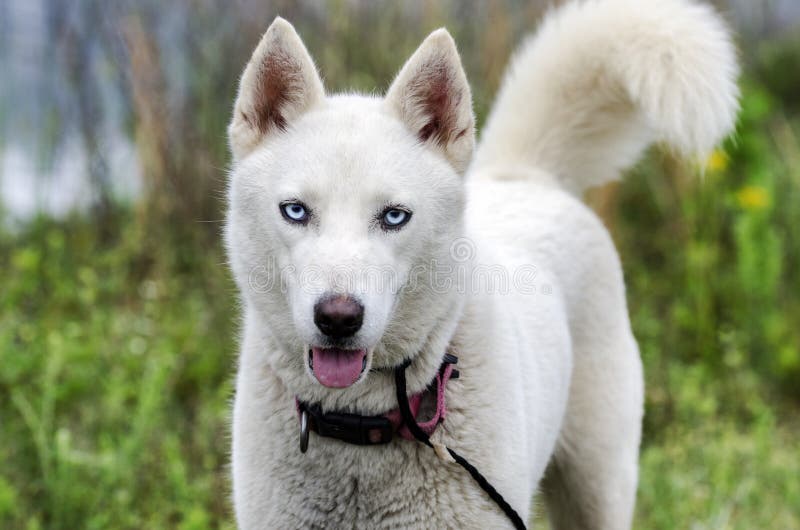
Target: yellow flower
752, 197
717, 161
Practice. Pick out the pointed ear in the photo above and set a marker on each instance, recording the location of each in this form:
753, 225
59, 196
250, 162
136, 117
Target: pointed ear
279, 83
432, 97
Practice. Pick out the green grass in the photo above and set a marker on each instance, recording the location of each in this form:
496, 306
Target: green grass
722, 474
114, 384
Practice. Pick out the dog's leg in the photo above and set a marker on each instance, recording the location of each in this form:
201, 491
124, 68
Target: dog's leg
591, 480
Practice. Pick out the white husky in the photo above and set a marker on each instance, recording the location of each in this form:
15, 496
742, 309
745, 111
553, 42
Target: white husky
364, 232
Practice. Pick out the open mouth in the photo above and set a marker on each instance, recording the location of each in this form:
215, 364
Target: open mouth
336, 367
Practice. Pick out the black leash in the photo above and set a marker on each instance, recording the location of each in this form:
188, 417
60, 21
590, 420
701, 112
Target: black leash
419, 434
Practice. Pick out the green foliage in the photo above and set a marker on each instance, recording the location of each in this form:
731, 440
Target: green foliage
721, 475
718, 283
115, 383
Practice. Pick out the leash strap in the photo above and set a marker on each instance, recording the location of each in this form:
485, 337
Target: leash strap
420, 435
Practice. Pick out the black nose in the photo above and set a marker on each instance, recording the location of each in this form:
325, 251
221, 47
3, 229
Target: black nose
338, 316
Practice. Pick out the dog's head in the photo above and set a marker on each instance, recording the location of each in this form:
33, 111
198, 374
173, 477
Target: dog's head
344, 211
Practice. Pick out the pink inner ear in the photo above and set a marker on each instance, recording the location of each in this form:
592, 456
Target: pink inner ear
434, 91
279, 84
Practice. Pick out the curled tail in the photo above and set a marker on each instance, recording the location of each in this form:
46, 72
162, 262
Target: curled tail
603, 79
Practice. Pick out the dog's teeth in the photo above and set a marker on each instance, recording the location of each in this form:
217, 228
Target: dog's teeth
363, 364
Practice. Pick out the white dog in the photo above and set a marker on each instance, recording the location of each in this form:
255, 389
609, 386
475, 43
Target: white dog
364, 233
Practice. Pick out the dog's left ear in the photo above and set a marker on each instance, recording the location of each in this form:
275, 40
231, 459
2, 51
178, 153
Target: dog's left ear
432, 97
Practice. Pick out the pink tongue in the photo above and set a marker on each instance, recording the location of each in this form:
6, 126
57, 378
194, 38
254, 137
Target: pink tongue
337, 368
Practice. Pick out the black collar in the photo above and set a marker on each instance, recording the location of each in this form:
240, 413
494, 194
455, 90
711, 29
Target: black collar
358, 429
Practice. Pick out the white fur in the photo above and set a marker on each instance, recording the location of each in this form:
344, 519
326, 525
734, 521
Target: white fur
602, 79
550, 393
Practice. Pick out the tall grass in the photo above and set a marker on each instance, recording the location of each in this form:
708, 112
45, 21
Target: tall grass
114, 384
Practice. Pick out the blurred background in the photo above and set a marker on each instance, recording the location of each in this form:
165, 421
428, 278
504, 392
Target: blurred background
118, 319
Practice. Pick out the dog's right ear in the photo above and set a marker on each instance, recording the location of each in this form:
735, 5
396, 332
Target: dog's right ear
279, 83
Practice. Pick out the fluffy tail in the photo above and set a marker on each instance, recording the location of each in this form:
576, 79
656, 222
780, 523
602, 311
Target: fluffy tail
602, 79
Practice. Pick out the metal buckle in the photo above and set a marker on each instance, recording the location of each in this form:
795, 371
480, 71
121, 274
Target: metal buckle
304, 431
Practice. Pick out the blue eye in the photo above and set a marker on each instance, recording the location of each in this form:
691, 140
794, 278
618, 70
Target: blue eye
394, 218
294, 212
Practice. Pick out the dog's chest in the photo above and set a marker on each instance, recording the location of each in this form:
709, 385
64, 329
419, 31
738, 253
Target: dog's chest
402, 485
